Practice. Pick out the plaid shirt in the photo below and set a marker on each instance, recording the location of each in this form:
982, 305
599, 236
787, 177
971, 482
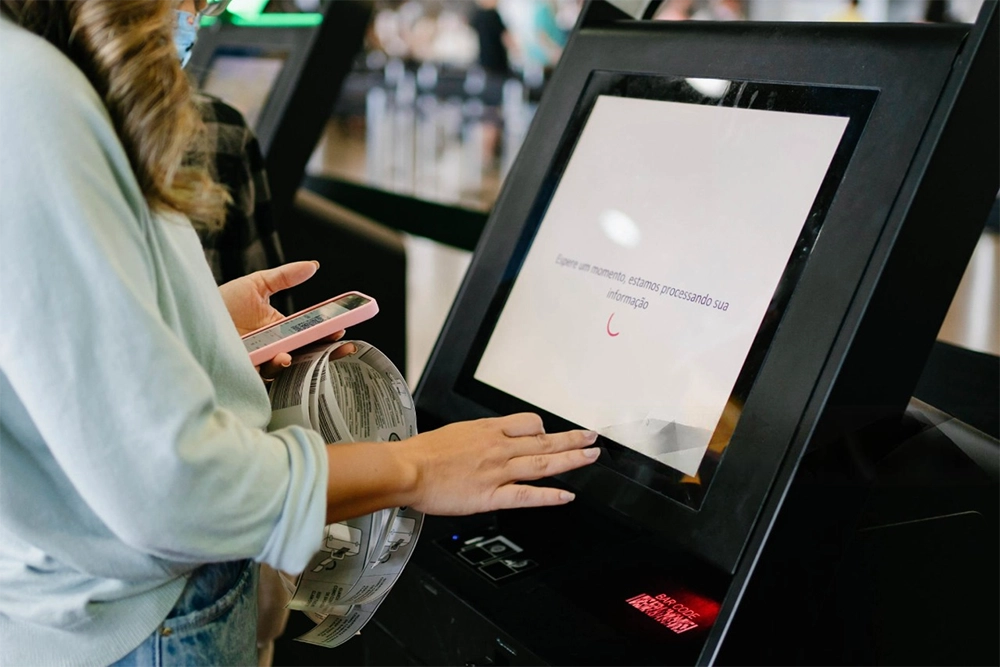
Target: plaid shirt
249, 241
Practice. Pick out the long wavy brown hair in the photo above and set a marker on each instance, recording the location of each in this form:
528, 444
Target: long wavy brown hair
126, 50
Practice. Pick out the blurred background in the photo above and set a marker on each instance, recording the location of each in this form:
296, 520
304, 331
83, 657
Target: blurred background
440, 100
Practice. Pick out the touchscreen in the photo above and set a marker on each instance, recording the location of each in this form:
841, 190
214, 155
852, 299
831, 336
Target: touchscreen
652, 268
244, 78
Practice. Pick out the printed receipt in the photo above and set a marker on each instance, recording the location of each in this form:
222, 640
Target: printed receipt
358, 398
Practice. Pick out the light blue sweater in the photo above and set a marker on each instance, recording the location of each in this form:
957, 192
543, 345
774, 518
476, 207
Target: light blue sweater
131, 441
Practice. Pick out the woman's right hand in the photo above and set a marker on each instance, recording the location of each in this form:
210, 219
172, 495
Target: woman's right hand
463, 468
471, 467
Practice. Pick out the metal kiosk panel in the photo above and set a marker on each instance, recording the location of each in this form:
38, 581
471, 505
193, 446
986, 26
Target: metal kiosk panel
622, 574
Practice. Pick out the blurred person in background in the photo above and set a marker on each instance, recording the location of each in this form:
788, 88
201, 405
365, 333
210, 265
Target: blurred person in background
674, 10
495, 41
567, 12
548, 37
394, 26
849, 13
721, 10
422, 29
455, 41
495, 45
938, 11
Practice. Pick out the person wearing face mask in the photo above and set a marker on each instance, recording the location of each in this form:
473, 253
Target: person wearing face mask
139, 488
189, 13
248, 240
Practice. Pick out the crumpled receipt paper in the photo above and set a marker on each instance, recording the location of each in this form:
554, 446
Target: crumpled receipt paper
360, 398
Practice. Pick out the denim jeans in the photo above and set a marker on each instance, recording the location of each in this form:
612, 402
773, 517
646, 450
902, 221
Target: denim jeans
213, 623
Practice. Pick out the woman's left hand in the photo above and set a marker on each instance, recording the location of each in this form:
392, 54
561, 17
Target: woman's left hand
248, 300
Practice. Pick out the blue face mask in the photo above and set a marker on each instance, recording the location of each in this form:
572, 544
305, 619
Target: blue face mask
185, 34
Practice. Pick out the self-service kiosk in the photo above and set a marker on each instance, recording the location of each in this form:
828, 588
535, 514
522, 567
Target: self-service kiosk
727, 248
284, 72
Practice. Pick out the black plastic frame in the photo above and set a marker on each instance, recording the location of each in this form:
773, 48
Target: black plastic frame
827, 325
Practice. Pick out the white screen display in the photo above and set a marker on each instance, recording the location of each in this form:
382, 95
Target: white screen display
653, 266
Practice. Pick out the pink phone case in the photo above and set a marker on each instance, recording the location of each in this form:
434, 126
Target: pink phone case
302, 338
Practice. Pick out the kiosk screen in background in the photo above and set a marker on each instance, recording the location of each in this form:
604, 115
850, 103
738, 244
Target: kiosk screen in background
244, 79
653, 267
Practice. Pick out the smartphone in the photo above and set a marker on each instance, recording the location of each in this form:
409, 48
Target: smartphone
309, 325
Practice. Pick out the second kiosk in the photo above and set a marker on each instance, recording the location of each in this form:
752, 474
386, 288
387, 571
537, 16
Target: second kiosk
723, 247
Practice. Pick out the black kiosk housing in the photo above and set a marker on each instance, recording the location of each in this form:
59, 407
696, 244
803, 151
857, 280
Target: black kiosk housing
652, 567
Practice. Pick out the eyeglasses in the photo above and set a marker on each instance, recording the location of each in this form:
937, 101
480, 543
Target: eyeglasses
211, 7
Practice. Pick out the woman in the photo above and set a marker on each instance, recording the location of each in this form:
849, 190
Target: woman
137, 483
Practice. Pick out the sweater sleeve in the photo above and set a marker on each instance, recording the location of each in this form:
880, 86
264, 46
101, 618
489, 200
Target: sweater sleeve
92, 347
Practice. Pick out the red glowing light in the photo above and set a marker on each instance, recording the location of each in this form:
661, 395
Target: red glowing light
679, 612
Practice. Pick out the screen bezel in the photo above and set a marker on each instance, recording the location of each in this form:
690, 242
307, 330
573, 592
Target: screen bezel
853, 103
227, 39
908, 65
248, 53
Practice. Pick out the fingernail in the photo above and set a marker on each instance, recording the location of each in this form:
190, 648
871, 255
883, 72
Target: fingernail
566, 496
590, 436
287, 364
316, 263
592, 452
